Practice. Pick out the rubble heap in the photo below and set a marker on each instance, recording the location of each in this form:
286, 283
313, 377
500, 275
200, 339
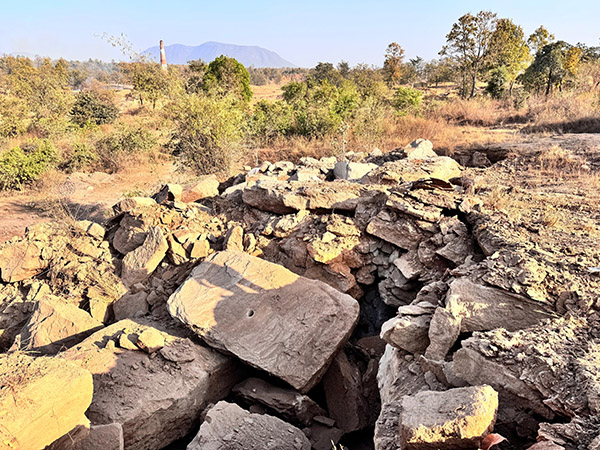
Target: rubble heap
366, 299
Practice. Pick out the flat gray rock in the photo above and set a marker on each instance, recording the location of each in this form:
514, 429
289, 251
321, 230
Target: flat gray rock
267, 316
229, 427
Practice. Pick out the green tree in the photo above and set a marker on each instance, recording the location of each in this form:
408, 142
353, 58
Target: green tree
539, 39
227, 76
508, 52
344, 69
547, 70
392, 64
149, 81
326, 72
496, 86
439, 71
196, 70
468, 43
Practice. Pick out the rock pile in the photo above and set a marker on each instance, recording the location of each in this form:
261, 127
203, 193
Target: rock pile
370, 299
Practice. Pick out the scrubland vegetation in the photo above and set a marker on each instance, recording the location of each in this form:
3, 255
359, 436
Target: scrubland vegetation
88, 116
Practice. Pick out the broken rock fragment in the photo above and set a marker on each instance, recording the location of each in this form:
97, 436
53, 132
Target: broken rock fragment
229, 427
290, 404
267, 316
457, 418
54, 325
141, 262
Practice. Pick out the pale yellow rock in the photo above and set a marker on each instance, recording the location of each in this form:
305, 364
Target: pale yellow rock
42, 399
456, 418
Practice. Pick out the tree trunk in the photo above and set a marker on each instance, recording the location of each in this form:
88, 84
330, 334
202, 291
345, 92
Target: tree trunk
474, 76
549, 84
510, 89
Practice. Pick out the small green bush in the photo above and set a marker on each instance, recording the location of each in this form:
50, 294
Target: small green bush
93, 107
83, 156
207, 132
270, 120
407, 100
21, 166
496, 86
122, 144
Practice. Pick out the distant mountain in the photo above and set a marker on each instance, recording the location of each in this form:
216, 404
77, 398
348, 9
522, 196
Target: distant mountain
247, 55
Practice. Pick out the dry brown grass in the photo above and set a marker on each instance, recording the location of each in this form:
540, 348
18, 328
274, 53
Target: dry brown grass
568, 112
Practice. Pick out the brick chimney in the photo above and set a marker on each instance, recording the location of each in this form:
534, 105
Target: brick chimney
163, 56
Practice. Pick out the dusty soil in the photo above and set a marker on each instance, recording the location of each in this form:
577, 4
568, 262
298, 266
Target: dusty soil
80, 195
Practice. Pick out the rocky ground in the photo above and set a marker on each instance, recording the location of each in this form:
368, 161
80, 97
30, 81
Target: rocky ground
399, 300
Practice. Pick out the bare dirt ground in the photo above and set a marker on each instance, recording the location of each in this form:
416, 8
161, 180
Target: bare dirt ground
80, 195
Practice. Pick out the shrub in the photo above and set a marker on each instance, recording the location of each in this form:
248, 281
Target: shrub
207, 132
20, 166
92, 107
82, 156
496, 86
407, 100
13, 115
123, 144
270, 120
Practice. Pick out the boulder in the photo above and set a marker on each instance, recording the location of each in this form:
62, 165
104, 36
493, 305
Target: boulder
132, 203
409, 170
344, 394
419, 149
141, 262
131, 305
41, 400
55, 325
481, 308
396, 229
452, 419
168, 193
229, 427
444, 330
323, 437
21, 260
288, 403
206, 186
398, 375
130, 234
269, 317
234, 239
156, 398
345, 170
408, 332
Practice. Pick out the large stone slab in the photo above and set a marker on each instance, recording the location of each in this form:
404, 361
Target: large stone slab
482, 308
266, 315
448, 420
156, 398
55, 325
41, 399
229, 427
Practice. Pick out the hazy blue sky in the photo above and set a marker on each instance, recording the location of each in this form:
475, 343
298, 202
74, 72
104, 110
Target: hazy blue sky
304, 32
